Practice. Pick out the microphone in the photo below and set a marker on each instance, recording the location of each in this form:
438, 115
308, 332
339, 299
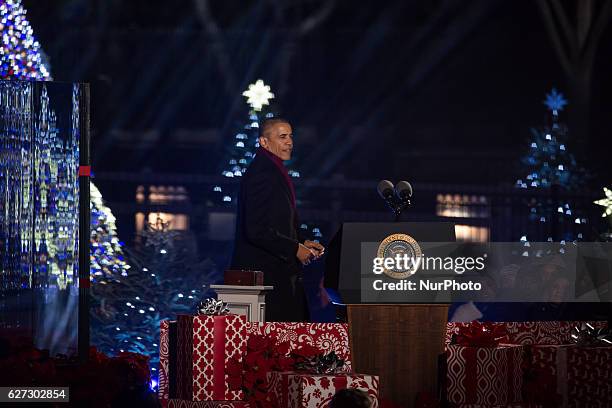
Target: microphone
403, 191
385, 189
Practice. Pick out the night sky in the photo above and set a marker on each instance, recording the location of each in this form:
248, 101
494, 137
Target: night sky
441, 92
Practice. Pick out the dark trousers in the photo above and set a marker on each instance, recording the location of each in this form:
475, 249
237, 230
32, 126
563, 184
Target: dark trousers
287, 301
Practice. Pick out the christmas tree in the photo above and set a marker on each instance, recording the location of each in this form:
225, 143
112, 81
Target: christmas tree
244, 145
20, 55
550, 168
165, 278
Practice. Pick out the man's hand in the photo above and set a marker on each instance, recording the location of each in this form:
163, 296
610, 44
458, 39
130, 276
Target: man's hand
316, 247
305, 254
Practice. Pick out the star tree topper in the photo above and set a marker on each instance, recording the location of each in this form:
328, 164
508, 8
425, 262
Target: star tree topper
555, 101
606, 202
258, 95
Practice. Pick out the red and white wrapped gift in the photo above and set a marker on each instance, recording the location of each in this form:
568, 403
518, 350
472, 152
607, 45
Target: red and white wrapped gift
571, 376
179, 403
589, 376
303, 390
164, 363
205, 345
326, 337
484, 375
526, 333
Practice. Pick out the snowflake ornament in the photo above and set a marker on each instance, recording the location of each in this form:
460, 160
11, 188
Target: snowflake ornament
606, 202
555, 101
258, 95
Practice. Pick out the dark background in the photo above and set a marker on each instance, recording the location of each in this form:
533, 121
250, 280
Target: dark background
440, 93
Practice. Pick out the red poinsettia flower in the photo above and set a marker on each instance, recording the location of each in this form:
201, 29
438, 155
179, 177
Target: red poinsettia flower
284, 364
251, 359
283, 348
256, 343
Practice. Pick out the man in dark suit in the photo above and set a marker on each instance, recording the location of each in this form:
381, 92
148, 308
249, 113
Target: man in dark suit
267, 232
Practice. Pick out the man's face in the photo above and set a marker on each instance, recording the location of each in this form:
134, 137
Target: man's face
278, 140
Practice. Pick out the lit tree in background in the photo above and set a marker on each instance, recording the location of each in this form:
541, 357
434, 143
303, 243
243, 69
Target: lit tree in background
107, 261
165, 278
607, 204
131, 291
245, 143
550, 166
20, 55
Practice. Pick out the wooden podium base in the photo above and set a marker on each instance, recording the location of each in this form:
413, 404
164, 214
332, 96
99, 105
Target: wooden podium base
401, 344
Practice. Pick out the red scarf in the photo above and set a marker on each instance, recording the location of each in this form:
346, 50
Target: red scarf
278, 162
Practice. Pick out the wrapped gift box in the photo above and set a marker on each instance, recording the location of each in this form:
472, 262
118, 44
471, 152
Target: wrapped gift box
326, 337
204, 347
526, 333
515, 405
589, 376
179, 403
164, 355
571, 376
299, 390
484, 375
548, 374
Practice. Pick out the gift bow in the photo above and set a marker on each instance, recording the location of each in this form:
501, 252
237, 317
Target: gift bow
478, 334
588, 336
212, 307
319, 364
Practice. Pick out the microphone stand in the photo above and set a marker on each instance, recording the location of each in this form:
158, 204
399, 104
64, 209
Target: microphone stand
398, 208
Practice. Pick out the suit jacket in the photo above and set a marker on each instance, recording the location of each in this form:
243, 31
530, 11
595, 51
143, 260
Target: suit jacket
267, 237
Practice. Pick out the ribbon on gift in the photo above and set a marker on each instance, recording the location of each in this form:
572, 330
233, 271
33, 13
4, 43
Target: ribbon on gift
478, 334
212, 307
588, 336
220, 325
319, 364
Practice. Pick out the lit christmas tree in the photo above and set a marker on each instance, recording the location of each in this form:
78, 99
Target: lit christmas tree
165, 278
107, 262
243, 147
20, 55
606, 202
551, 167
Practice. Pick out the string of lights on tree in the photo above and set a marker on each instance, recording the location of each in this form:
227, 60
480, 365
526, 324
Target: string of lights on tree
126, 300
549, 164
20, 54
242, 148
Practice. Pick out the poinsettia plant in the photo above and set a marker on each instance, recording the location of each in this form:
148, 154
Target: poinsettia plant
250, 375
263, 355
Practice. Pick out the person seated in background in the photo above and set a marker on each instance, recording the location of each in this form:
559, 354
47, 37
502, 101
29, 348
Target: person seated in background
350, 398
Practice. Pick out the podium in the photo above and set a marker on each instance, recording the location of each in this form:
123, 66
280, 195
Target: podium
400, 342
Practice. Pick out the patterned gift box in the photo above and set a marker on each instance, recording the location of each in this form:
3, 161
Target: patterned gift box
204, 346
164, 363
326, 337
526, 333
515, 405
484, 375
589, 376
571, 376
179, 403
299, 390
547, 374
